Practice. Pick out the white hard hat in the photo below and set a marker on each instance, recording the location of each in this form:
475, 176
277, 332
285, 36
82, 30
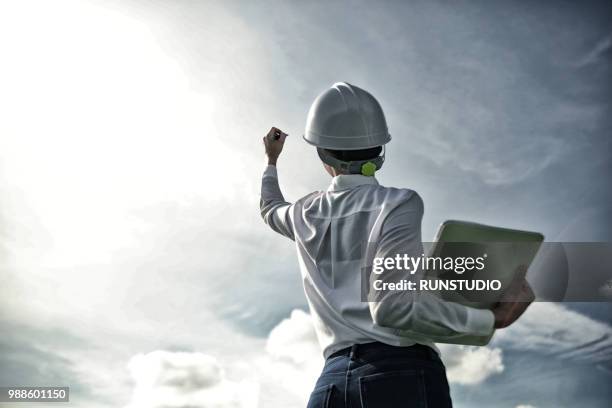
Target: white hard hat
346, 117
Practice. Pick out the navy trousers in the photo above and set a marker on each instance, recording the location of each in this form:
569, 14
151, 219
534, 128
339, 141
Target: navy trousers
376, 375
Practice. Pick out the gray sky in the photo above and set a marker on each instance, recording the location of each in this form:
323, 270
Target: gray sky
130, 157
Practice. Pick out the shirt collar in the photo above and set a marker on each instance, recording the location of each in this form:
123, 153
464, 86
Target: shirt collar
348, 181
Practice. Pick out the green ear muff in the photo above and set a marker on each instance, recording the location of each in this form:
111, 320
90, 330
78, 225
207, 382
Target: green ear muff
368, 169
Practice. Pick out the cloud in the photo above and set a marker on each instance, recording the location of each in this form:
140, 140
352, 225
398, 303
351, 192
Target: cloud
467, 365
38, 353
294, 339
546, 327
293, 344
293, 358
286, 368
167, 379
525, 406
289, 363
601, 48
553, 329
24, 362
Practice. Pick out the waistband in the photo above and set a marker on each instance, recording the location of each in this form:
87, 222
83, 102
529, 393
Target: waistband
377, 349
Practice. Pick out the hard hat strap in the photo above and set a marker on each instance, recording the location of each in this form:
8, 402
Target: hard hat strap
350, 167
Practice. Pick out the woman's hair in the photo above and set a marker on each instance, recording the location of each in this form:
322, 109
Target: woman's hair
352, 155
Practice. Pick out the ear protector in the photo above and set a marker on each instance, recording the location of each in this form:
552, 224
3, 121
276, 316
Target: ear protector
368, 168
365, 167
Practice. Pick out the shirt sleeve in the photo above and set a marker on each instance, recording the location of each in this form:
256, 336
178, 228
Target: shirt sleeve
275, 211
420, 315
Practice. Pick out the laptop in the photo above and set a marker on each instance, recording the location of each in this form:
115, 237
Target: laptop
487, 256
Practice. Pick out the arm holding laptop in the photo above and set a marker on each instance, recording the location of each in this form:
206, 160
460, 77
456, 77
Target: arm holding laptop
423, 314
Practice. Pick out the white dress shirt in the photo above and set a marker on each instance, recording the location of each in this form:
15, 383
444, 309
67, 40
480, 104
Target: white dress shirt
337, 232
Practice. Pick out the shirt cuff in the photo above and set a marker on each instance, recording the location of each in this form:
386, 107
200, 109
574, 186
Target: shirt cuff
481, 322
270, 171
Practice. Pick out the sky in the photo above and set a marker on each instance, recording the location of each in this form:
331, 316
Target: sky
134, 264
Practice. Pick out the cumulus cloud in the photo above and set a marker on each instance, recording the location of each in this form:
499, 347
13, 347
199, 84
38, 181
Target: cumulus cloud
294, 339
286, 369
293, 345
467, 365
165, 379
291, 361
293, 358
